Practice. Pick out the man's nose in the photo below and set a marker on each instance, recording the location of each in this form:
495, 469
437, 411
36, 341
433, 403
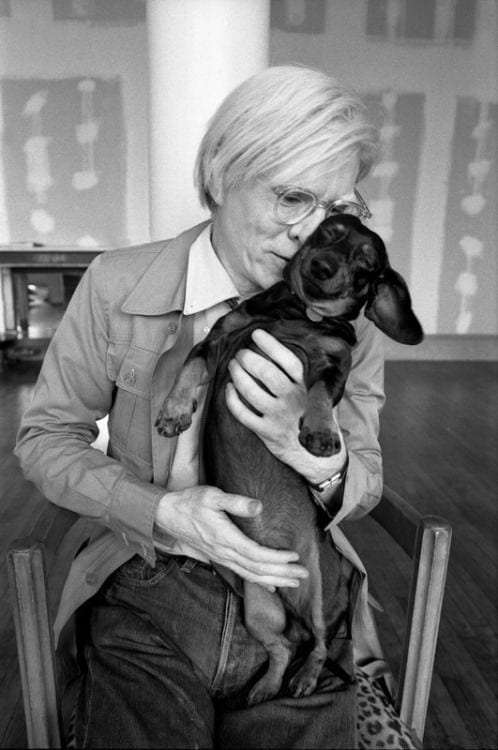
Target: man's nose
303, 229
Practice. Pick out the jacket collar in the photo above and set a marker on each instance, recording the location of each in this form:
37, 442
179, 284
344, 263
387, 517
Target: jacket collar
161, 289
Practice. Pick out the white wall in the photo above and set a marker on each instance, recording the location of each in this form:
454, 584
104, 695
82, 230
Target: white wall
448, 257
442, 74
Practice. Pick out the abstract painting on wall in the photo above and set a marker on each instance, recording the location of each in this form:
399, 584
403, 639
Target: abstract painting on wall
436, 21
391, 187
64, 161
470, 263
100, 12
302, 16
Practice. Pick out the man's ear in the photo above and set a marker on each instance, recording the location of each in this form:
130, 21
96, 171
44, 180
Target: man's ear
390, 308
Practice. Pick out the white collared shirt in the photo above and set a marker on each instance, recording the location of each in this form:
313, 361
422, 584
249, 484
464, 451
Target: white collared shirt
208, 288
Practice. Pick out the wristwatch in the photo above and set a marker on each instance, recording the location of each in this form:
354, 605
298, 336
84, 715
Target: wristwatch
332, 481
328, 506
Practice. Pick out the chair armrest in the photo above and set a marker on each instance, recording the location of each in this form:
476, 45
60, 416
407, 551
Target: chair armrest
427, 540
35, 647
49, 546
431, 556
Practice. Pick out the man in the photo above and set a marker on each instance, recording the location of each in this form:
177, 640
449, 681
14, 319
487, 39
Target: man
166, 650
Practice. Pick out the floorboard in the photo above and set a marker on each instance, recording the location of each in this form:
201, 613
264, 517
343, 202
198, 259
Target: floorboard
438, 432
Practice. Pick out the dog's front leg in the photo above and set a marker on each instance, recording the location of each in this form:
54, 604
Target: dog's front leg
181, 402
266, 620
316, 427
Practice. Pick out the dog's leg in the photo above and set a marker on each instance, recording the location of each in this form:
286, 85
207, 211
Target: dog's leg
181, 402
305, 681
266, 620
316, 427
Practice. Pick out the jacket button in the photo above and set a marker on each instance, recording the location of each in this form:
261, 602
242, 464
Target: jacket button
130, 377
91, 579
172, 327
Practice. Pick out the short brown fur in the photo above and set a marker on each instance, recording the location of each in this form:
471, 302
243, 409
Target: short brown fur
342, 268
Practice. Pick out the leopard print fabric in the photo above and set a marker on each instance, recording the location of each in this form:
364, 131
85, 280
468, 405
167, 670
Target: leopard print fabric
378, 724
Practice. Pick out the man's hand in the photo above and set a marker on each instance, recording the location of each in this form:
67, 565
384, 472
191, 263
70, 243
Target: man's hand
198, 517
279, 407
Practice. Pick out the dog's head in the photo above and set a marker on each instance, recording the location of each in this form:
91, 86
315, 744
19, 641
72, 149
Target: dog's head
342, 267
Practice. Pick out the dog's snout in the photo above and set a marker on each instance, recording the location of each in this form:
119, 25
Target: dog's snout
323, 269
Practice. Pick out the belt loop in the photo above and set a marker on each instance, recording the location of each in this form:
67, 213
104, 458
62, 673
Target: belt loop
188, 565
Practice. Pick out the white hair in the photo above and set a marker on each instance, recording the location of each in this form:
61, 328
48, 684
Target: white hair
279, 123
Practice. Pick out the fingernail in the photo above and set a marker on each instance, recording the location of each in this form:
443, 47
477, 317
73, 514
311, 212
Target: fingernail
255, 507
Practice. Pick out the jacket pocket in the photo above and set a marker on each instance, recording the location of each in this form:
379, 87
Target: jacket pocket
130, 416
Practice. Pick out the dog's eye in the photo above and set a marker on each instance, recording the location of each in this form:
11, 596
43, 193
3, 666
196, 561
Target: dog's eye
360, 280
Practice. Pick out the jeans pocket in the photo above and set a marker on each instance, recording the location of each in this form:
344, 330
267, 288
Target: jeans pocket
137, 573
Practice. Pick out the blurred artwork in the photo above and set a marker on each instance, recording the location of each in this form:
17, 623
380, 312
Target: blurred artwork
301, 16
437, 21
391, 188
64, 161
470, 256
100, 12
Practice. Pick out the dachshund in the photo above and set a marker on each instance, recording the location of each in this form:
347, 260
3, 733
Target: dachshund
342, 268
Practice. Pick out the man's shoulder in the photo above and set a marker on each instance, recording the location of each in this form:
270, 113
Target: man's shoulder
132, 257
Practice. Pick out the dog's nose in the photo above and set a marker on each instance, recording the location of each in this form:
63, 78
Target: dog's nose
322, 269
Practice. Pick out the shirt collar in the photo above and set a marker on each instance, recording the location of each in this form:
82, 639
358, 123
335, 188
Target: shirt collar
208, 283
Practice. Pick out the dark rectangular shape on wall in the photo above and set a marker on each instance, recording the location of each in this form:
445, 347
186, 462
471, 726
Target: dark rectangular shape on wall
464, 21
302, 16
419, 19
71, 10
112, 12
4, 8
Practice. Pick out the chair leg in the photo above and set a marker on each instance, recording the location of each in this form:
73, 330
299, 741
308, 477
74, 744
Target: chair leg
424, 614
27, 582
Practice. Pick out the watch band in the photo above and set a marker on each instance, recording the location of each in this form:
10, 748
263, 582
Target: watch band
332, 481
328, 507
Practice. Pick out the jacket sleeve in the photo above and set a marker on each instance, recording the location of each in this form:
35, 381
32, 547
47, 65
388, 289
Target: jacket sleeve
358, 415
73, 391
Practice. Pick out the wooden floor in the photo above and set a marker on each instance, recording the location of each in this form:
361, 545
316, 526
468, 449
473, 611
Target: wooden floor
439, 435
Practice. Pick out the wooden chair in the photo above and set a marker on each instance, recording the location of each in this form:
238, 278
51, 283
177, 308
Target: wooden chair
51, 547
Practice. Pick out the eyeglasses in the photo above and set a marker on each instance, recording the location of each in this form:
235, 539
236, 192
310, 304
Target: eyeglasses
294, 204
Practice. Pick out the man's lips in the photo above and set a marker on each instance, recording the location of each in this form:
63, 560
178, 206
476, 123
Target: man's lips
282, 258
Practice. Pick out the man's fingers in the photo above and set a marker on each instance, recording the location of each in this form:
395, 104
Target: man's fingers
265, 371
237, 505
249, 388
279, 353
269, 582
240, 411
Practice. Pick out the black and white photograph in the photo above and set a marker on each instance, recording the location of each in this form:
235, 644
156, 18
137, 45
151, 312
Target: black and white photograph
249, 374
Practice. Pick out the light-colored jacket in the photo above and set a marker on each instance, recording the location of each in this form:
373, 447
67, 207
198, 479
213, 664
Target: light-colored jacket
116, 352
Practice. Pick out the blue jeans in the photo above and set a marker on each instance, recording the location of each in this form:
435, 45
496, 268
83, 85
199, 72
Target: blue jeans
169, 661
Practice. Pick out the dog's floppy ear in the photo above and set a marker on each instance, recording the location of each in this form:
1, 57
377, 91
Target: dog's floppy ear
390, 308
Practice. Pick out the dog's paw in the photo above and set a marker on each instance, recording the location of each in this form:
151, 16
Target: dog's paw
320, 442
263, 690
174, 418
304, 683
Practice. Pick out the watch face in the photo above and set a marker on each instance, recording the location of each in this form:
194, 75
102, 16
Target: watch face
335, 479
